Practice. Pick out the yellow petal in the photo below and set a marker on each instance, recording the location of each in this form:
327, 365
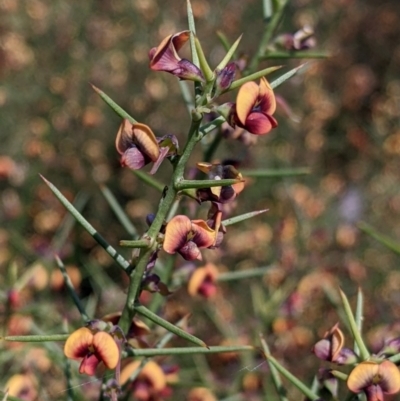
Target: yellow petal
22, 385
362, 376
204, 167
78, 343
208, 272
201, 394
151, 372
145, 140
128, 371
124, 141
337, 341
390, 377
106, 348
176, 233
204, 236
246, 100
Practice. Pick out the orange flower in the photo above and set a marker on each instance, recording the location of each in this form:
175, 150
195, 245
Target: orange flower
92, 349
201, 394
202, 281
137, 330
187, 236
149, 384
375, 379
330, 348
22, 386
254, 107
138, 146
165, 58
218, 171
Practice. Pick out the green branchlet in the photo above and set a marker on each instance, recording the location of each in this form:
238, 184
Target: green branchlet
229, 55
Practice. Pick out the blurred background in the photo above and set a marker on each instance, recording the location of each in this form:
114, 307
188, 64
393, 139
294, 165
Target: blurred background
346, 130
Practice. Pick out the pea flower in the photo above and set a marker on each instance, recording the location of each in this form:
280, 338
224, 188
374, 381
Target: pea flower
219, 171
187, 237
138, 146
224, 78
137, 331
165, 58
375, 379
214, 221
330, 348
150, 384
203, 281
253, 109
201, 394
23, 386
303, 39
92, 348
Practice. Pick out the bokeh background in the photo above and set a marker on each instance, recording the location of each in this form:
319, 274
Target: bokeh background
346, 131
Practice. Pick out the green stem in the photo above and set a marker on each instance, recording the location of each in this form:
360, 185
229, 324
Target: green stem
252, 77
124, 264
119, 110
276, 173
36, 339
119, 211
293, 379
293, 55
243, 274
340, 375
142, 243
206, 128
269, 31
280, 389
168, 326
211, 149
170, 194
190, 184
71, 290
242, 217
364, 353
148, 179
383, 239
188, 350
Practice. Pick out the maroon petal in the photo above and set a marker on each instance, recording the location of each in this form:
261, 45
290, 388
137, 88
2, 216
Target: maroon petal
259, 123
225, 77
164, 57
190, 251
374, 393
187, 70
266, 98
322, 349
134, 159
89, 365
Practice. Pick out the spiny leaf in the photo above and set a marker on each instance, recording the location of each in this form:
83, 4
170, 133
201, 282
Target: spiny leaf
119, 110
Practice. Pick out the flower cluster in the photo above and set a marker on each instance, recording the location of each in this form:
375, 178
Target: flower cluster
253, 110
101, 342
92, 347
375, 377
